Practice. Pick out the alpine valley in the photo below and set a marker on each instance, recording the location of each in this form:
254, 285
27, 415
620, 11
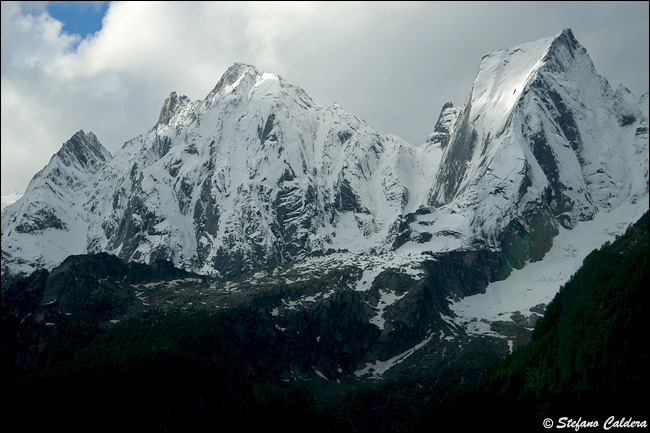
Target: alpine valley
256, 261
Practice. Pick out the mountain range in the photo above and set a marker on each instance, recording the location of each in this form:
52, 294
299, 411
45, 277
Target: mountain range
387, 256
256, 174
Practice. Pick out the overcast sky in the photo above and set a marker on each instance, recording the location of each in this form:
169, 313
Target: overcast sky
392, 64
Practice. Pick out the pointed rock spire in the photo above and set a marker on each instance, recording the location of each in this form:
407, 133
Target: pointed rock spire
85, 150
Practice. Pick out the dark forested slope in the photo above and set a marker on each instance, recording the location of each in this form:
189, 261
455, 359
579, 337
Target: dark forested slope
588, 359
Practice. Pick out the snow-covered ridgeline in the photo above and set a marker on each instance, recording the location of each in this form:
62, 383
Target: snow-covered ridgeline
256, 174
542, 143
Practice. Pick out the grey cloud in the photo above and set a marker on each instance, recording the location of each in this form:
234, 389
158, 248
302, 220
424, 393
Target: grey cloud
392, 64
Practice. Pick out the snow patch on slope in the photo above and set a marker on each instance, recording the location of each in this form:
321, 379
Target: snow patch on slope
538, 282
377, 368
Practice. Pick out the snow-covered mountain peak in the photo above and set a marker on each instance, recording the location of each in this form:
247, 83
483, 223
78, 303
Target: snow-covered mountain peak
554, 75
500, 81
233, 75
170, 107
565, 49
504, 75
80, 156
49, 222
244, 78
256, 174
84, 150
241, 87
542, 142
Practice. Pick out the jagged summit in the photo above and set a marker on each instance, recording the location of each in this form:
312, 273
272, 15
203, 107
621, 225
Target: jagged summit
84, 149
526, 156
565, 42
235, 73
252, 175
503, 76
247, 79
49, 222
82, 153
240, 84
170, 106
501, 80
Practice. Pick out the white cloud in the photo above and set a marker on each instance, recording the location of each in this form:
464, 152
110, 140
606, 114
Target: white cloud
393, 64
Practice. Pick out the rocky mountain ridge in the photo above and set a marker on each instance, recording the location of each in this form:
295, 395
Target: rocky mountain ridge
255, 183
256, 174
253, 175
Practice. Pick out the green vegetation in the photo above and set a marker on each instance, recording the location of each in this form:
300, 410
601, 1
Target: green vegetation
235, 370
